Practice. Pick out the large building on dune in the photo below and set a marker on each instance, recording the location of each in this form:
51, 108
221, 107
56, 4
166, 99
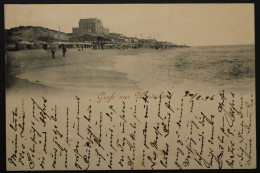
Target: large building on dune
90, 25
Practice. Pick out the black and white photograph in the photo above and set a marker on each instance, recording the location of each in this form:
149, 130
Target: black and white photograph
129, 47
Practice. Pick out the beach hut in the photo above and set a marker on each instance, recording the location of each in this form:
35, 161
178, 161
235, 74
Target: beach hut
67, 45
55, 45
81, 44
61, 44
64, 44
108, 46
21, 45
96, 45
45, 45
87, 45
41, 45
77, 44
30, 45
70, 45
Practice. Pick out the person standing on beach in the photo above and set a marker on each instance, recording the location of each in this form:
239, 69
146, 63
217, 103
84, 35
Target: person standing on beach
64, 50
53, 50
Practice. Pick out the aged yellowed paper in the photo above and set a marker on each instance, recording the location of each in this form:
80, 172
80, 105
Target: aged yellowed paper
130, 86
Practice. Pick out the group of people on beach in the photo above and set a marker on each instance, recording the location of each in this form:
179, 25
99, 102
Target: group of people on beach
53, 51
64, 50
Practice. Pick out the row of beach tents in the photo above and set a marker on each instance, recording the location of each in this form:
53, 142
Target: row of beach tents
24, 45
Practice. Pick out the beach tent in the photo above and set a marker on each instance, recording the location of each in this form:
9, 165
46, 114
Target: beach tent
61, 44
23, 45
108, 46
41, 45
81, 44
69, 45
87, 45
54, 45
20, 45
66, 44
30, 45
45, 45
78, 45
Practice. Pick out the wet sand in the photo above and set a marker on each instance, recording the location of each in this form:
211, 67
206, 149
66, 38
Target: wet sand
35, 70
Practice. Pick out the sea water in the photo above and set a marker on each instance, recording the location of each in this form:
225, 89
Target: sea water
219, 67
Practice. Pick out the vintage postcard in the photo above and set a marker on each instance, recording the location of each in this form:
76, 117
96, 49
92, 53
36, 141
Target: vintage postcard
130, 86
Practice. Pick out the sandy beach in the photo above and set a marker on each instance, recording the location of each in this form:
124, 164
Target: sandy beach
200, 68
35, 70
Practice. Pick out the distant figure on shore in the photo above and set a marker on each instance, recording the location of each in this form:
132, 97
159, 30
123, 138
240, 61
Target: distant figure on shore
53, 50
82, 47
64, 50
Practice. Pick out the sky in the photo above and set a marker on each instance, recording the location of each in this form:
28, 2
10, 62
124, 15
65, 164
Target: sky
190, 24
